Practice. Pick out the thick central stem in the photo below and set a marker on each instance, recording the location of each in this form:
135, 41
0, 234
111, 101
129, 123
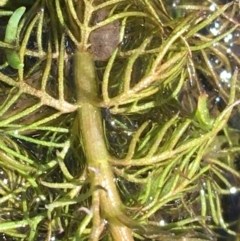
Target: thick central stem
94, 145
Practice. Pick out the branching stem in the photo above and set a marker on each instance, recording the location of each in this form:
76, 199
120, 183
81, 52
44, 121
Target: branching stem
94, 145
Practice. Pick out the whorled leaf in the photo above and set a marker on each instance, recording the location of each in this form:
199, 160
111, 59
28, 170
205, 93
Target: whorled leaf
155, 62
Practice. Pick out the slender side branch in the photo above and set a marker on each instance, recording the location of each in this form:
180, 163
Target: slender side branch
46, 99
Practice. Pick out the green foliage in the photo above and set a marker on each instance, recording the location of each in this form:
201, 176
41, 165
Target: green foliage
11, 35
117, 126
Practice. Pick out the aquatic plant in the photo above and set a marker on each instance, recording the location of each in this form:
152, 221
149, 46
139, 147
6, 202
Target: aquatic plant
118, 120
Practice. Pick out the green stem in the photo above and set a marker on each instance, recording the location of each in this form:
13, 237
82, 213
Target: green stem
93, 140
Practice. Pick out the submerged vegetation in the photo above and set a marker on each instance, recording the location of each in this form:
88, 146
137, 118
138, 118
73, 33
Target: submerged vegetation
119, 120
